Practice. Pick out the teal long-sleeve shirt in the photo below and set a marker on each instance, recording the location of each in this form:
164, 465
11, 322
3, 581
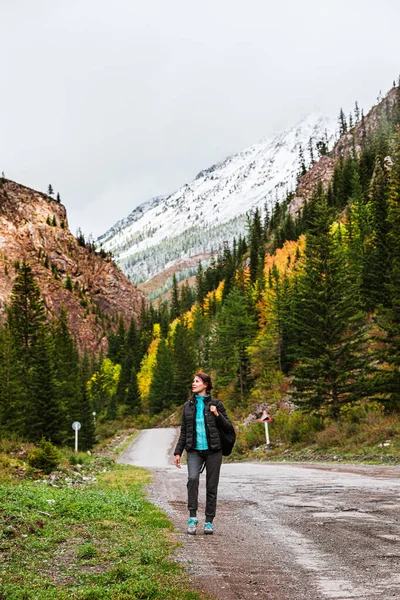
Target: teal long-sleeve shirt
201, 434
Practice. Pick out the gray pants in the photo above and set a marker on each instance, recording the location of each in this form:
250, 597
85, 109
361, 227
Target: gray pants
195, 461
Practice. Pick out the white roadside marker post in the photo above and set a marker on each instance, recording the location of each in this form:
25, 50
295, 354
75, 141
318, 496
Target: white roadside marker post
76, 427
266, 432
266, 418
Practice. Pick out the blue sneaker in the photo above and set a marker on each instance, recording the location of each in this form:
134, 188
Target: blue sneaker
208, 528
192, 525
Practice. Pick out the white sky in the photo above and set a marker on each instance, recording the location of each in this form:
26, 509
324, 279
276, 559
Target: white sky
116, 102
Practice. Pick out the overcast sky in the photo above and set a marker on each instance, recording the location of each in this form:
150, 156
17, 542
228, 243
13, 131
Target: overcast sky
116, 102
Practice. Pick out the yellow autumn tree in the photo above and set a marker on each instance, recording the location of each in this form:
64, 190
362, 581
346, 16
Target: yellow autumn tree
266, 349
147, 366
102, 386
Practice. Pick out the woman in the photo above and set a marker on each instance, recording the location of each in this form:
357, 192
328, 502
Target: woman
201, 418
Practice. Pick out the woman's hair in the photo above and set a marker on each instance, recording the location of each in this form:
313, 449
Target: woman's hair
205, 379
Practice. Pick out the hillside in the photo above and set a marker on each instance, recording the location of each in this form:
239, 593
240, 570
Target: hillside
303, 314
34, 228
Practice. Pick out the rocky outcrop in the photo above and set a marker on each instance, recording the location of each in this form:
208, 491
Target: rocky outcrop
320, 171
89, 285
350, 142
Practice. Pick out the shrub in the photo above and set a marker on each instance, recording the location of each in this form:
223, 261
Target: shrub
76, 458
295, 428
254, 435
332, 436
46, 457
361, 411
68, 283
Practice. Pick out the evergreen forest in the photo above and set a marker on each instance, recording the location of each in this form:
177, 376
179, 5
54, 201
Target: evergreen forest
300, 315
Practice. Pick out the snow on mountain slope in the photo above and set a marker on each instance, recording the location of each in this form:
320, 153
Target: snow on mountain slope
165, 229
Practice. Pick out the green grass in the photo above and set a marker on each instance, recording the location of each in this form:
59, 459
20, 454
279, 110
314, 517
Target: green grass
102, 540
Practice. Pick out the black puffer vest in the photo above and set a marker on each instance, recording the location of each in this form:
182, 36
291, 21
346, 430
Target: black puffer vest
187, 438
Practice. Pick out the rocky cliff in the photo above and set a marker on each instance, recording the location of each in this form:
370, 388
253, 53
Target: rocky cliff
349, 142
89, 285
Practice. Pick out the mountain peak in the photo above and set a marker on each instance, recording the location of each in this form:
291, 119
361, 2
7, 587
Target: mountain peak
165, 229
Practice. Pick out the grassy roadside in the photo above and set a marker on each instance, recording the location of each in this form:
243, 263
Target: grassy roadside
363, 434
90, 536
367, 456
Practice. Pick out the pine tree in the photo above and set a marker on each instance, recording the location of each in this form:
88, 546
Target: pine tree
342, 123
67, 375
322, 147
48, 417
34, 352
330, 325
273, 300
356, 112
175, 305
26, 314
187, 296
202, 342
234, 331
256, 246
133, 345
303, 168
380, 261
229, 269
396, 107
311, 151
133, 400
80, 237
50, 190
200, 284
360, 229
366, 167
13, 391
388, 379
183, 362
347, 181
130, 359
87, 433
116, 343
289, 307
254, 257
161, 384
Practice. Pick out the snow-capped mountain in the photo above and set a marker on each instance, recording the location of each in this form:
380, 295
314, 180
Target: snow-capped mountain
166, 229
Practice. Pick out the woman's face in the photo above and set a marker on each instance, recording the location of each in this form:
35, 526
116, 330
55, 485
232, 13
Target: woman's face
198, 386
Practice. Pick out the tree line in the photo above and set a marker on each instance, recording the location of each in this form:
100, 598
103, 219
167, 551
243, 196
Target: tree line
327, 317
311, 297
42, 378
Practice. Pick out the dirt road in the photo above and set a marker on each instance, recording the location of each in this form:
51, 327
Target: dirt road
285, 531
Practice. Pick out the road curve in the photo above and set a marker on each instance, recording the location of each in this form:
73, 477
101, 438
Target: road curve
151, 449
285, 531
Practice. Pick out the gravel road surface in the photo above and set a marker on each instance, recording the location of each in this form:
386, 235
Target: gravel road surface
284, 531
